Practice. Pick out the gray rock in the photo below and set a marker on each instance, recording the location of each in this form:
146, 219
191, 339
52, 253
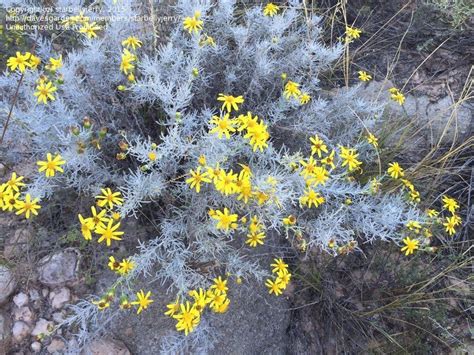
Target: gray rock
17, 244
43, 327
106, 347
24, 314
5, 334
58, 317
60, 268
8, 283
36, 347
34, 295
20, 331
59, 297
56, 346
21, 299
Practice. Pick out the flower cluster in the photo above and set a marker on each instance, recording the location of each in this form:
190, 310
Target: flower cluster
292, 90
281, 278
11, 199
142, 301
397, 96
104, 220
121, 267
188, 314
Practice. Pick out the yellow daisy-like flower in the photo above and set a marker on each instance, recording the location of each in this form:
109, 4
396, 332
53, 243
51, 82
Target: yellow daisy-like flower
109, 198
10, 201
279, 266
27, 206
192, 24
102, 304
230, 102
20, 61
373, 140
274, 287
51, 165
113, 264
450, 204
132, 42
291, 90
311, 197
14, 183
125, 266
87, 226
226, 183
197, 178
353, 32
89, 29
329, 160
173, 308
289, 221
45, 92
224, 126
363, 76
143, 301
34, 61
219, 285
410, 246
349, 158
271, 9
304, 98
317, 146
255, 239
450, 225
395, 170
55, 64
397, 96
109, 232
225, 220
188, 318
126, 63
98, 219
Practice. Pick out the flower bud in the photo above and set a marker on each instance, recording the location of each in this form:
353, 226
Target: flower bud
86, 122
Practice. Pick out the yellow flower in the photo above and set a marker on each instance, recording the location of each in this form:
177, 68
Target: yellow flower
133, 42
51, 165
450, 204
349, 158
304, 98
3, 194
291, 90
143, 301
152, 156
125, 266
87, 226
224, 126
109, 198
230, 102
279, 266
226, 183
207, 40
10, 201
397, 96
432, 213
126, 64
283, 278
14, 183
215, 173
55, 64
125, 304
289, 221
219, 285
244, 189
20, 61
450, 225
225, 220
319, 176
197, 178
102, 304
308, 167
363, 76
98, 219
317, 146
113, 264
192, 24
202, 160
329, 160
109, 232
353, 32
395, 170
414, 225
45, 92
255, 239
410, 246
274, 287
311, 197
27, 206
188, 318
271, 9
34, 61
255, 226
372, 140
89, 29
172, 308
258, 136
200, 299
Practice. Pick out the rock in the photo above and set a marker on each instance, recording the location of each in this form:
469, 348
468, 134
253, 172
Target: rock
42, 327
44, 292
3, 169
21, 299
17, 244
5, 334
60, 268
60, 297
20, 331
36, 347
56, 346
8, 283
106, 347
34, 295
24, 314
